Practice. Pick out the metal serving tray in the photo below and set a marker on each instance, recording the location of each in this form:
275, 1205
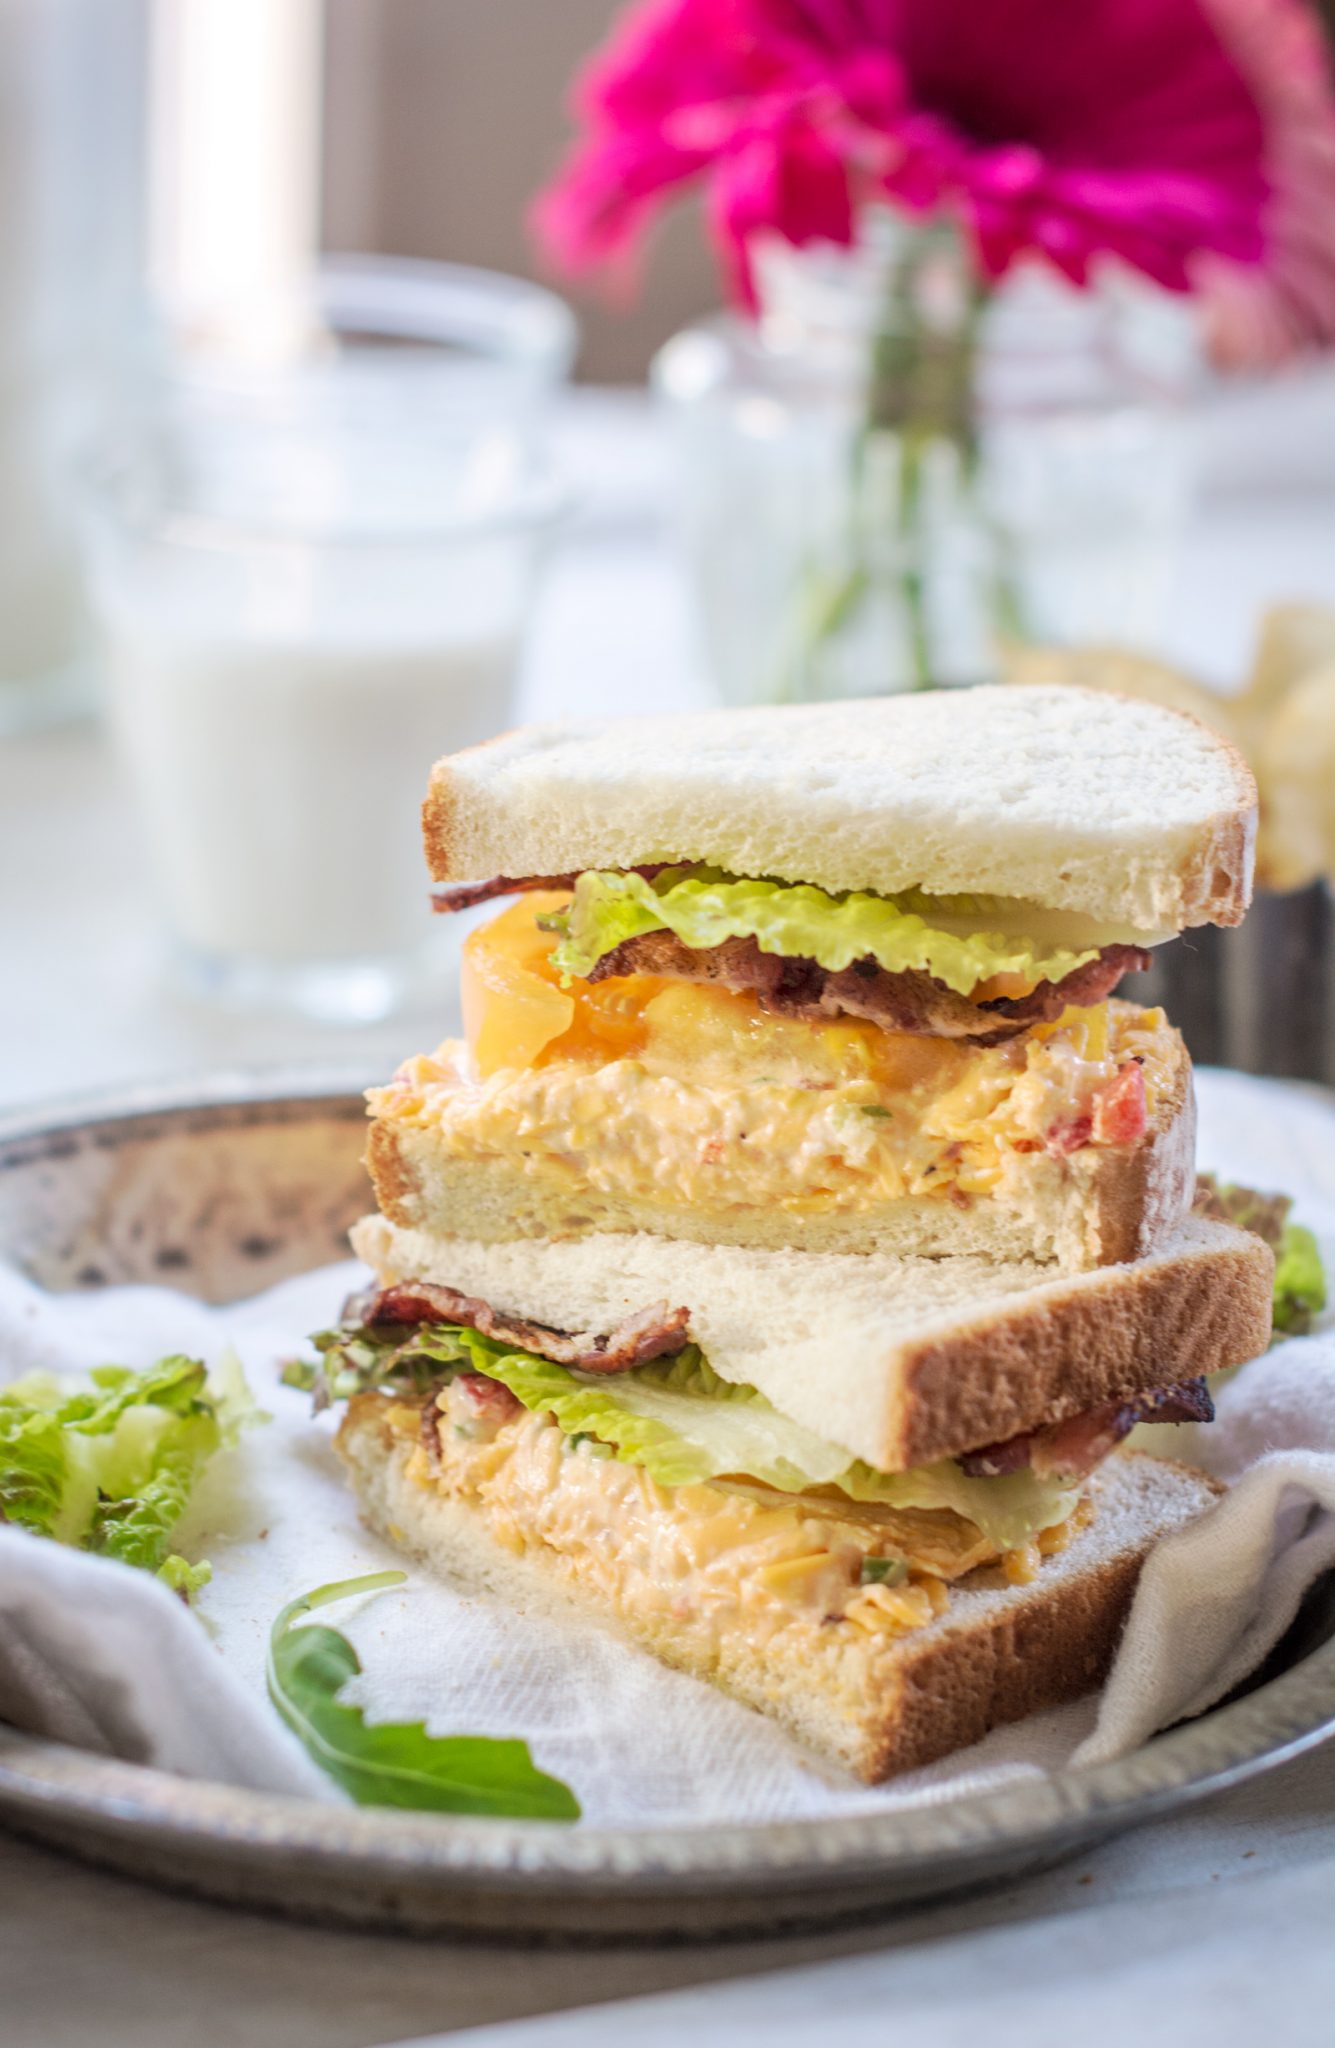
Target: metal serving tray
228, 1187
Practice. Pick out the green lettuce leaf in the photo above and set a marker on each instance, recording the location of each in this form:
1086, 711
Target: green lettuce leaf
960, 940
1300, 1279
686, 1426
32, 1466
109, 1466
395, 1763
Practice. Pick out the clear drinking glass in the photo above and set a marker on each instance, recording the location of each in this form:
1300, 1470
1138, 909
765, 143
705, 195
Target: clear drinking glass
311, 582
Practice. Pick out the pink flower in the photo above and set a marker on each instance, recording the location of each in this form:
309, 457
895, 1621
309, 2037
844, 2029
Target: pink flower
1074, 128
787, 118
1262, 315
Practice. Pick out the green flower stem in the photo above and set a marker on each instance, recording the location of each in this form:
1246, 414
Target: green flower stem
921, 396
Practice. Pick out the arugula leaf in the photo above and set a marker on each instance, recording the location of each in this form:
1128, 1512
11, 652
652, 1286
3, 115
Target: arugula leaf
395, 1763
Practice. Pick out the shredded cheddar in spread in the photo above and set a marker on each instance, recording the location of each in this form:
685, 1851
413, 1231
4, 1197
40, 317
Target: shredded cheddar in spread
711, 1558
638, 1086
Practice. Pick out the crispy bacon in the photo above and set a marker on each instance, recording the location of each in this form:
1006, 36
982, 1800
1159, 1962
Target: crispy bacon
655, 1332
1071, 1449
800, 987
448, 896
908, 1001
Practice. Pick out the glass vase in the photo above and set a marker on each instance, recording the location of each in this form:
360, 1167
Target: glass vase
891, 471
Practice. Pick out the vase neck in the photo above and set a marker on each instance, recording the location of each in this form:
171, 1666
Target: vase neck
899, 274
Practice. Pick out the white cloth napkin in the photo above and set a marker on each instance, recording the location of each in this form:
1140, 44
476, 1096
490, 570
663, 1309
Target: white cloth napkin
94, 1653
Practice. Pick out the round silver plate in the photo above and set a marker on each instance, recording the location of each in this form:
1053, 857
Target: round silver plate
229, 1187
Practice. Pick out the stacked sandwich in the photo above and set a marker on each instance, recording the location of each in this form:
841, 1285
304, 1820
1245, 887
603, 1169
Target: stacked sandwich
800, 1226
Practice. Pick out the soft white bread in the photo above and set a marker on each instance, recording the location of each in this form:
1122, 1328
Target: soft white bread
1094, 1207
875, 1703
1075, 799
902, 1361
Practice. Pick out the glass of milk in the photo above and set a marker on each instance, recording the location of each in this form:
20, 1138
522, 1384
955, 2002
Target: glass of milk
312, 581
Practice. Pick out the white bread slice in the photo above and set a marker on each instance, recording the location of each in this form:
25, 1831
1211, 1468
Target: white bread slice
1095, 1207
1074, 799
902, 1361
876, 1704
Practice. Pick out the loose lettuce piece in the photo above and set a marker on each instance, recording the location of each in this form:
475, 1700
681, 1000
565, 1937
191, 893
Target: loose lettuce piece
186, 1579
947, 937
686, 1426
395, 1763
108, 1467
1300, 1279
32, 1466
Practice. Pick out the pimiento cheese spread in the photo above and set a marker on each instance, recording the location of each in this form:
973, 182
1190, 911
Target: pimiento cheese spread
712, 1559
641, 1087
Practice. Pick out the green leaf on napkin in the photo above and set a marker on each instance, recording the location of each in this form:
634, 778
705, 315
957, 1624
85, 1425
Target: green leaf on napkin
1300, 1280
108, 1464
395, 1763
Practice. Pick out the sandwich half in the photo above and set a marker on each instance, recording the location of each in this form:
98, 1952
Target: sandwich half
831, 979
883, 1503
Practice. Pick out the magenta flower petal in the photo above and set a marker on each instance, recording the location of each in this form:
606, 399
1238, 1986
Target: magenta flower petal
796, 187
1263, 314
1192, 139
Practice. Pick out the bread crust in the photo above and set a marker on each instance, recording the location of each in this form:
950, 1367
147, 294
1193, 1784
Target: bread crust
877, 1705
1077, 1348
883, 1355
1097, 1207
555, 800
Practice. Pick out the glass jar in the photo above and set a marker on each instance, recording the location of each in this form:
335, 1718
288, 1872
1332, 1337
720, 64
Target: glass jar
889, 470
312, 581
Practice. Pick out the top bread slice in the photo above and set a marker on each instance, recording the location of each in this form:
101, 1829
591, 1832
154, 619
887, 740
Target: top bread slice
1075, 799
900, 1360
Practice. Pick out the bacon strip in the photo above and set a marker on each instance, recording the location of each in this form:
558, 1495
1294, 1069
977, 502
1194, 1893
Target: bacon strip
655, 1332
908, 1001
1071, 1449
448, 896
800, 987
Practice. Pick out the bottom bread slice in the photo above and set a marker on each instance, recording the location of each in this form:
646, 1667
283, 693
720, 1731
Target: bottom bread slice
875, 1702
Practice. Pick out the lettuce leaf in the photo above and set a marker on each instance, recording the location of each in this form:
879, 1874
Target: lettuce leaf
949, 938
109, 1466
1300, 1279
686, 1426
32, 1466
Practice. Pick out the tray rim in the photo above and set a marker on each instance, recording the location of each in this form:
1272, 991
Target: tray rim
42, 1782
